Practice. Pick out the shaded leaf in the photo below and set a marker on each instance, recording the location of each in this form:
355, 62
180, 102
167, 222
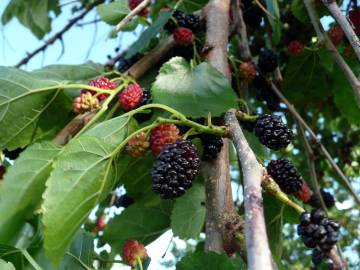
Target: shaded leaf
192, 5
23, 186
144, 224
299, 11
193, 91
210, 260
190, 207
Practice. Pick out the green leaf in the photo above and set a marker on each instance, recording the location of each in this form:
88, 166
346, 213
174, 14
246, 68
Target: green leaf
73, 73
6, 265
23, 186
210, 260
112, 13
84, 173
137, 179
299, 11
144, 224
192, 5
193, 91
344, 97
306, 82
33, 14
273, 8
23, 99
191, 206
148, 34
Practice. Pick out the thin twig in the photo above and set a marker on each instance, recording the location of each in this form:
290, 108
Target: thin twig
241, 31
344, 24
257, 245
132, 14
332, 162
314, 18
59, 34
265, 10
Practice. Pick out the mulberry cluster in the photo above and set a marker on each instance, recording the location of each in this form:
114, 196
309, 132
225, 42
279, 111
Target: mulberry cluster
247, 71
183, 36
336, 34
268, 60
295, 47
175, 169
265, 93
132, 252
317, 231
130, 97
179, 19
145, 100
212, 146
272, 132
285, 175
327, 198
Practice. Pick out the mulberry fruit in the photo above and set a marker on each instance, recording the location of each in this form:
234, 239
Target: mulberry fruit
138, 145
177, 20
124, 201
336, 35
130, 97
304, 194
285, 175
268, 60
103, 83
272, 132
247, 71
100, 223
183, 36
134, 3
316, 230
175, 169
84, 103
212, 146
318, 256
327, 198
162, 135
193, 22
295, 47
132, 252
354, 16
145, 100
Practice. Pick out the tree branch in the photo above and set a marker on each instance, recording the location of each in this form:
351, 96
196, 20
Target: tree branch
241, 31
332, 162
59, 34
344, 24
220, 211
257, 246
354, 82
131, 15
136, 71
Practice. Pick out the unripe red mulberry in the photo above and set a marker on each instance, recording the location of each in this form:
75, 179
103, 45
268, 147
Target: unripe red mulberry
247, 71
138, 145
100, 223
85, 103
132, 251
336, 34
162, 135
183, 36
130, 97
134, 3
295, 47
103, 83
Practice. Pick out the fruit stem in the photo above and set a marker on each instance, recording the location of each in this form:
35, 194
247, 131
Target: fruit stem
271, 187
75, 86
139, 263
104, 106
178, 114
246, 117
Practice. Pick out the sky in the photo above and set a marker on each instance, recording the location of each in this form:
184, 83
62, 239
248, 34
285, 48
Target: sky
78, 42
